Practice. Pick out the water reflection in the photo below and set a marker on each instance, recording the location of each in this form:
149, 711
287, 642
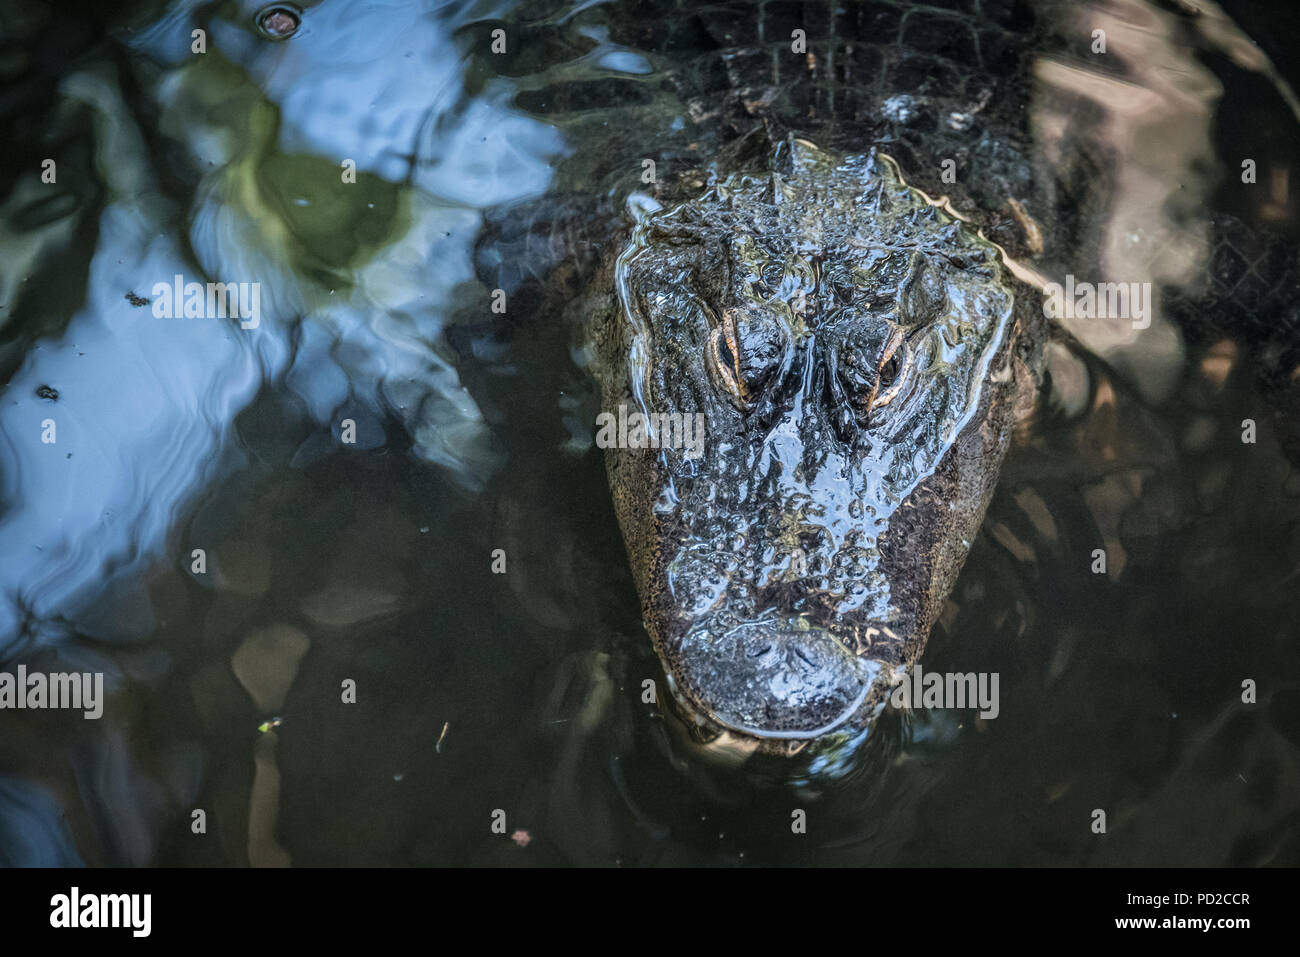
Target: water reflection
525, 691
343, 173
324, 177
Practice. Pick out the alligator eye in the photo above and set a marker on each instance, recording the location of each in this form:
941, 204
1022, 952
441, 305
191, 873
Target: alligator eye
889, 377
724, 358
871, 380
889, 371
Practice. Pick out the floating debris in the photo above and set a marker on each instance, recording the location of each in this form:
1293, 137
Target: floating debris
521, 837
135, 300
1028, 225
279, 21
271, 724
47, 392
438, 747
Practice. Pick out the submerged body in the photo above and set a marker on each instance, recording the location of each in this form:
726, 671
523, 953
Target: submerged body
860, 353
857, 350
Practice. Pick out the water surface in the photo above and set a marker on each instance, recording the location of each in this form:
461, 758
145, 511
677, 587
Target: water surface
371, 561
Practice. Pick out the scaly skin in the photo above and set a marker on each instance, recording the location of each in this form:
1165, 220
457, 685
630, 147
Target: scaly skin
855, 350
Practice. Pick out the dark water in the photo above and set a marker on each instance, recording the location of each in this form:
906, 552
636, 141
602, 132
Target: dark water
371, 561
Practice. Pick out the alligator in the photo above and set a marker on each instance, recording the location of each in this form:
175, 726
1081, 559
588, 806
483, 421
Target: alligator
856, 350
859, 351
860, 345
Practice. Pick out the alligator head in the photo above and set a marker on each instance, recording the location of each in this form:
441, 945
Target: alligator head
849, 344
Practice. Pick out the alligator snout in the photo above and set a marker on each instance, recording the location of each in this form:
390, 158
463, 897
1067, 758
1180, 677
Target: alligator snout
774, 678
